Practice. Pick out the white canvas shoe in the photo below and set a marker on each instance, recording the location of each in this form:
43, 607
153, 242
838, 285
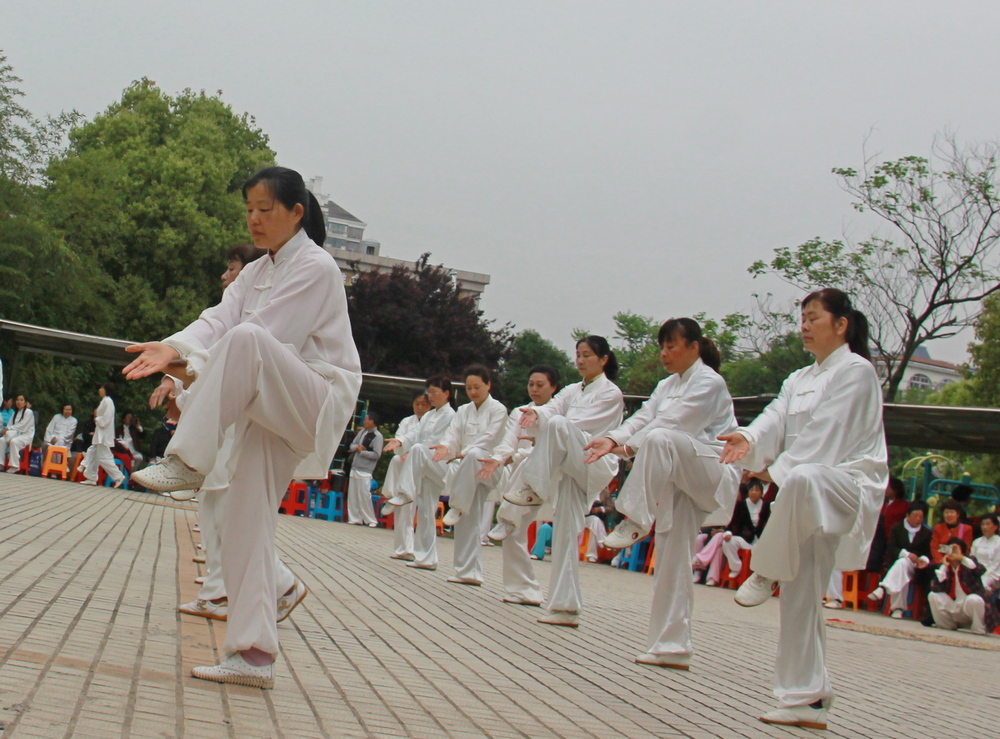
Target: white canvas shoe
625, 535
169, 475
561, 618
524, 497
755, 590
183, 495
206, 608
405, 556
465, 581
804, 716
452, 517
397, 500
237, 671
877, 594
502, 530
287, 603
835, 604
673, 661
519, 600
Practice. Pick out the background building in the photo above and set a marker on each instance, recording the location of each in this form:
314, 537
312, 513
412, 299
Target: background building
354, 253
924, 373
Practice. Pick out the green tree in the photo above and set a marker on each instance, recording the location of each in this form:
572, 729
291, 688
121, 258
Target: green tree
529, 348
415, 323
150, 191
928, 278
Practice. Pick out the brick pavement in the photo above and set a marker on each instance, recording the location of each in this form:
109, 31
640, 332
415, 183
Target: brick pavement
91, 645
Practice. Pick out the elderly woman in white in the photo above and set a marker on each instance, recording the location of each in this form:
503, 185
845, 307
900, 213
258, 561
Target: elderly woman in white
275, 359
676, 479
18, 434
556, 472
822, 441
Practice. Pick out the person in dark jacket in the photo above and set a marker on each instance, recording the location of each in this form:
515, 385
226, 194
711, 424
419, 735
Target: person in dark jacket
909, 550
958, 600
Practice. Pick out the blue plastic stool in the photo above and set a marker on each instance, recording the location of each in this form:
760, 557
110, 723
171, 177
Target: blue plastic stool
634, 558
326, 506
108, 482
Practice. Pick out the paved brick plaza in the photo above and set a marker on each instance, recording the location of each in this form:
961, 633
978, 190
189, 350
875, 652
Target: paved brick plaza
91, 645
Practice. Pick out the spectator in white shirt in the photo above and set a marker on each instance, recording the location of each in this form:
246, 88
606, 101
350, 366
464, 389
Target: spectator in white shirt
986, 551
61, 429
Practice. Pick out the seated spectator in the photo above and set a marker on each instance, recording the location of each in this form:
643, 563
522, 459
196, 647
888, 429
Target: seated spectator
61, 429
130, 437
747, 524
958, 599
543, 541
894, 510
909, 550
19, 433
6, 411
986, 551
952, 527
161, 437
596, 522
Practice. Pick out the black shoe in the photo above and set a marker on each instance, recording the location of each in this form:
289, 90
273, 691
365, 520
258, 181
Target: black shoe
927, 621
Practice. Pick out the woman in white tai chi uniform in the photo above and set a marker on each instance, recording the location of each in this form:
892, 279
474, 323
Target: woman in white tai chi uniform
676, 479
276, 359
556, 472
99, 454
19, 433
513, 521
421, 479
473, 434
821, 440
402, 522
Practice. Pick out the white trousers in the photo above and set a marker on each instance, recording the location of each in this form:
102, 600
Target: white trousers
424, 480
835, 588
731, 550
556, 470
674, 478
518, 572
12, 448
359, 498
969, 614
99, 457
816, 506
597, 533
489, 508
468, 495
254, 382
402, 519
897, 582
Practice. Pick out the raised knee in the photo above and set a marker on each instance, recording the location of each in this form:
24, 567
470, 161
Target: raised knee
246, 332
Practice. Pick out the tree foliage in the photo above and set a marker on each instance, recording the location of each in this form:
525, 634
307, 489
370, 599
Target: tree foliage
926, 278
414, 323
527, 349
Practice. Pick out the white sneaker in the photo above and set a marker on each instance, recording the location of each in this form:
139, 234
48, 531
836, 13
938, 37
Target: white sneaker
711, 583
625, 534
525, 497
452, 517
519, 600
206, 608
465, 581
200, 580
397, 500
877, 594
561, 618
373, 525
237, 671
85, 481
835, 604
169, 475
406, 556
804, 716
418, 566
287, 603
183, 494
673, 661
755, 590
502, 530
896, 613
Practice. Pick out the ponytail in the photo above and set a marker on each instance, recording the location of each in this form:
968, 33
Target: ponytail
689, 330
837, 303
313, 222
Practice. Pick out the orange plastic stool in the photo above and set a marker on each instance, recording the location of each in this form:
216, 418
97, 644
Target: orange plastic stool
584, 544
732, 583
76, 474
856, 589
439, 520
56, 462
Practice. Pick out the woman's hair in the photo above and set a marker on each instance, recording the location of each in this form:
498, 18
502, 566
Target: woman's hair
109, 389
551, 372
952, 505
898, 487
243, 253
836, 302
992, 517
418, 394
599, 345
917, 505
755, 482
961, 543
478, 370
441, 382
689, 330
288, 188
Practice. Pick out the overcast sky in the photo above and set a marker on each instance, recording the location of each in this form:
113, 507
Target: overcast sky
590, 157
